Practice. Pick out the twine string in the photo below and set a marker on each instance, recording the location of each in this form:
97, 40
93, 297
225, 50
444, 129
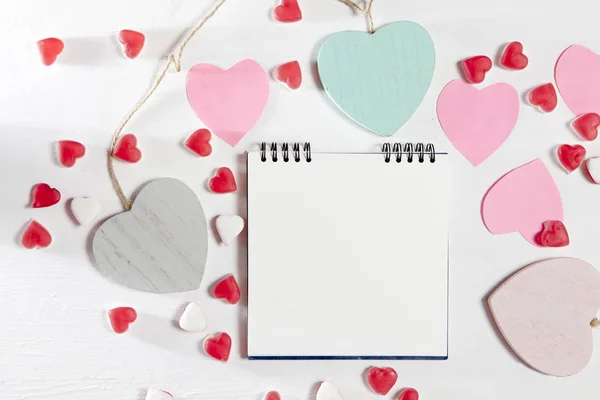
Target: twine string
366, 11
174, 60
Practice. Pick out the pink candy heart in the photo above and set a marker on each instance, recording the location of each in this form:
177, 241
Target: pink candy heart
477, 122
577, 76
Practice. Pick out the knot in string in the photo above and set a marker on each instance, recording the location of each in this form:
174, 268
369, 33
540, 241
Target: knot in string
366, 11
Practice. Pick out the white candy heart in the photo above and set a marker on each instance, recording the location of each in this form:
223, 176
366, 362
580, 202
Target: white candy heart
593, 168
229, 227
328, 392
156, 394
192, 319
84, 209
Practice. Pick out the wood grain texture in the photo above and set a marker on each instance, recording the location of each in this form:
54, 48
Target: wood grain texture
160, 245
544, 313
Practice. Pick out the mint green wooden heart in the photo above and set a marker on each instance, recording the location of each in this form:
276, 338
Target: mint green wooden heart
380, 79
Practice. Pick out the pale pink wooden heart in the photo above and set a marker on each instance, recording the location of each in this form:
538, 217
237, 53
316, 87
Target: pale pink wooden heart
521, 201
577, 77
477, 122
544, 313
229, 102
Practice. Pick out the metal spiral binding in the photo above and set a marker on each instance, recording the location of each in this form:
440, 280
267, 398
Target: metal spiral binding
410, 150
285, 152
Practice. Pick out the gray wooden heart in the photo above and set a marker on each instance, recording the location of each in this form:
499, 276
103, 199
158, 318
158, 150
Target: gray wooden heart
160, 245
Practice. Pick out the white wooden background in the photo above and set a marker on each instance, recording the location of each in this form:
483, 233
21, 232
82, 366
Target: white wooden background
55, 342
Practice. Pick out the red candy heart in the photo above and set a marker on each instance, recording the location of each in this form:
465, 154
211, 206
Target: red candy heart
227, 289
544, 97
218, 346
475, 68
198, 142
36, 235
571, 157
408, 394
288, 11
223, 182
126, 150
50, 49
586, 125
554, 234
513, 57
132, 41
69, 151
121, 317
44, 196
289, 74
382, 380
272, 396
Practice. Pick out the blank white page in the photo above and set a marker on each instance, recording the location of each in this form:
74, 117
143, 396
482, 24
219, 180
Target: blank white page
348, 257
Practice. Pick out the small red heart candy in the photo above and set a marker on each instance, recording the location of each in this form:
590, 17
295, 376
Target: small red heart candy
272, 396
408, 394
554, 234
132, 41
198, 142
50, 49
586, 125
571, 157
218, 346
69, 151
544, 97
289, 74
476, 67
36, 235
44, 196
513, 57
227, 289
382, 380
223, 181
126, 149
121, 317
288, 11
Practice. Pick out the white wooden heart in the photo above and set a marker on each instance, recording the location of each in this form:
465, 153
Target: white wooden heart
156, 394
229, 227
84, 209
160, 245
544, 313
593, 169
192, 319
328, 392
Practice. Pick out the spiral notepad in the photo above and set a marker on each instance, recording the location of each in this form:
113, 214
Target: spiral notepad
348, 253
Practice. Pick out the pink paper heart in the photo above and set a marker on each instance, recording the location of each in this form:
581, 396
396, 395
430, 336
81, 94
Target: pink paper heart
544, 313
577, 77
229, 102
477, 122
521, 201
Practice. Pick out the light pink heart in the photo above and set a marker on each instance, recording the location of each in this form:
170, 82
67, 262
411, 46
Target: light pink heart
477, 122
544, 313
229, 102
521, 201
577, 77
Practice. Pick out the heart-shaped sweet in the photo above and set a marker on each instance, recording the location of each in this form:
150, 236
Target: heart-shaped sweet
544, 313
121, 317
521, 201
544, 97
160, 245
227, 289
577, 75
592, 166
554, 234
229, 102
157, 394
381, 380
586, 125
571, 157
84, 209
132, 41
44, 196
192, 319
272, 395
50, 49
475, 68
513, 57
36, 235
408, 394
69, 151
288, 11
378, 80
223, 181
199, 143
477, 122
229, 227
290, 74
218, 346
126, 149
